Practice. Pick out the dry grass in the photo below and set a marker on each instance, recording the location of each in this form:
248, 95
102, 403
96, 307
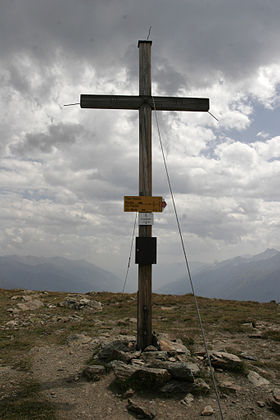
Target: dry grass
222, 318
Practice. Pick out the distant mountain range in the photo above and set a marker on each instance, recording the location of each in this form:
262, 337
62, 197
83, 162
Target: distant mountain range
242, 278
55, 274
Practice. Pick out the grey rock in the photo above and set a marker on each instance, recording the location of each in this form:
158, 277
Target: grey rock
248, 356
140, 376
79, 303
226, 361
93, 304
184, 371
174, 386
153, 356
229, 388
138, 362
11, 323
122, 371
256, 379
256, 336
13, 310
188, 400
150, 348
30, 305
173, 347
94, 372
140, 410
207, 411
274, 403
27, 298
128, 393
116, 350
200, 387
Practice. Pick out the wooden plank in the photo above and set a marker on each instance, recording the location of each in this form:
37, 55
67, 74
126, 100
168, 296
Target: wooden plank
160, 103
144, 302
144, 306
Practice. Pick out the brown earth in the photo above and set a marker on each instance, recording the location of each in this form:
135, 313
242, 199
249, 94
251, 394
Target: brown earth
45, 350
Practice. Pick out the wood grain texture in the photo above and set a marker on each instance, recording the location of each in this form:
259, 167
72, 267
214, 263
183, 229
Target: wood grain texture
160, 103
144, 307
145, 103
144, 303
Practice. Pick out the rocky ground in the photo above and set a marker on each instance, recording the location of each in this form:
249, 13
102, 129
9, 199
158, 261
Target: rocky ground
66, 356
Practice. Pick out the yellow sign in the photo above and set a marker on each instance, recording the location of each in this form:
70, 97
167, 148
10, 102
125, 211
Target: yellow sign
143, 204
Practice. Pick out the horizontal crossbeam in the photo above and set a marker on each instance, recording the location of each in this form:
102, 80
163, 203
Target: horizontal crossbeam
160, 103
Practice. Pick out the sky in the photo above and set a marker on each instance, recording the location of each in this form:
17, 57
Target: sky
64, 170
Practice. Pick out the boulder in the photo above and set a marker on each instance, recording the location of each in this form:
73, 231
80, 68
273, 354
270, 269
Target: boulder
274, 402
257, 379
140, 376
176, 387
93, 372
140, 410
116, 350
11, 324
229, 388
150, 348
248, 356
226, 361
150, 357
198, 387
122, 371
207, 411
188, 400
30, 305
173, 347
79, 303
184, 371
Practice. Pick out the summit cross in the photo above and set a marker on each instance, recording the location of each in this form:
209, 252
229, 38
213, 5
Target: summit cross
145, 103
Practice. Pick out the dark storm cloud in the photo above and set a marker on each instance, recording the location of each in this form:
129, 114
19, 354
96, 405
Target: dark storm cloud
60, 161
59, 136
200, 38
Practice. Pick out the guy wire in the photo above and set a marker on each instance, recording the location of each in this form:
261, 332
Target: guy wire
130, 252
187, 265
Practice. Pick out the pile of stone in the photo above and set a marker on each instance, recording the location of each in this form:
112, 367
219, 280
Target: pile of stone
28, 302
167, 366
78, 302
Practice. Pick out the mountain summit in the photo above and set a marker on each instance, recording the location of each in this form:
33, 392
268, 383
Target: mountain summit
55, 274
243, 278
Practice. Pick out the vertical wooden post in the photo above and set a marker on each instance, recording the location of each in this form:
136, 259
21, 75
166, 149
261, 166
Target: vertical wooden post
144, 301
144, 103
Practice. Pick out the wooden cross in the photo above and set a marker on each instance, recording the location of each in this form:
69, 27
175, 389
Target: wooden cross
144, 103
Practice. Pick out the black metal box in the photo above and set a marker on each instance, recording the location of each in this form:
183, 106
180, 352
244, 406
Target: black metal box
146, 250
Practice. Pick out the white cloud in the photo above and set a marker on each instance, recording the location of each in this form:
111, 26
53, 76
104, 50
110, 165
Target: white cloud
64, 171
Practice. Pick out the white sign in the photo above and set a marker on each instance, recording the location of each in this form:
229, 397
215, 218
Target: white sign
146, 219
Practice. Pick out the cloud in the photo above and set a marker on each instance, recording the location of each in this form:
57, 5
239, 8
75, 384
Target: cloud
57, 136
64, 170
